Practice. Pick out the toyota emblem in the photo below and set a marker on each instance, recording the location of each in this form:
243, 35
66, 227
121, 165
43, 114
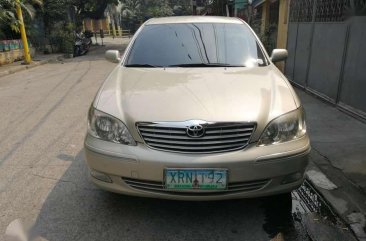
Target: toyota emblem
195, 131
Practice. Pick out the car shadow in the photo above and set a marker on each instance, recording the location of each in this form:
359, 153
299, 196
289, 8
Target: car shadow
76, 210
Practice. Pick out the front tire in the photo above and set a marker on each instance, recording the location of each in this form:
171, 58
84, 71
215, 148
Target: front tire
77, 51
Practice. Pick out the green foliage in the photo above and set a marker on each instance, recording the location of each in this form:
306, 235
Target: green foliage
68, 40
269, 37
8, 18
140, 9
62, 38
131, 9
59, 10
54, 11
90, 8
181, 7
218, 7
58, 14
159, 8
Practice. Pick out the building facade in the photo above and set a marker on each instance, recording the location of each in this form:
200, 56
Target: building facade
326, 44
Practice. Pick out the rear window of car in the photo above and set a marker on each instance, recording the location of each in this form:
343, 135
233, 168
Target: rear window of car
168, 45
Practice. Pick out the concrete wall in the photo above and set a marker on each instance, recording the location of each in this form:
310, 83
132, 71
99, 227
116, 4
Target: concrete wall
95, 25
11, 56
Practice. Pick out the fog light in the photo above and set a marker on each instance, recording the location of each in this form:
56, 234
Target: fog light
100, 176
292, 178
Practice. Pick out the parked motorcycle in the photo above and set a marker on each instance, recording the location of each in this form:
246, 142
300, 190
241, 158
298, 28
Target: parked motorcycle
82, 43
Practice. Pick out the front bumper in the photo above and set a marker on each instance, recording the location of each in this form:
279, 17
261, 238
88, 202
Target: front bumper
267, 170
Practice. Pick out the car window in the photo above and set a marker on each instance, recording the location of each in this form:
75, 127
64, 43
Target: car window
191, 44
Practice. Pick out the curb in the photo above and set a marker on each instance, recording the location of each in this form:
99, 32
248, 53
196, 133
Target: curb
31, 66
342, 196
39, 63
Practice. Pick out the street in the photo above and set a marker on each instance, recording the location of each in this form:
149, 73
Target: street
44, 180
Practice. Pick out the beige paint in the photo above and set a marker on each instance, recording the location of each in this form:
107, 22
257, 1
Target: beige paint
195, 19
256, 94
178, 94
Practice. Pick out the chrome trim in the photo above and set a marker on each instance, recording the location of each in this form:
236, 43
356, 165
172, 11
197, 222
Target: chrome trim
158, 136
207, 142
232, 187
201, 138
195, 147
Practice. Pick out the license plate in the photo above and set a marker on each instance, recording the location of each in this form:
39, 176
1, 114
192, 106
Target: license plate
203, 179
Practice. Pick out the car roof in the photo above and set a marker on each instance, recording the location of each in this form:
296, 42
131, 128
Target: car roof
193, 19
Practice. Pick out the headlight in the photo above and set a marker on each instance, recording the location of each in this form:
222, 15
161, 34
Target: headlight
108, 128
287, 127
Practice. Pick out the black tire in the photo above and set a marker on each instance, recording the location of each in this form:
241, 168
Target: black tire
87, 49
281, 201
77, 51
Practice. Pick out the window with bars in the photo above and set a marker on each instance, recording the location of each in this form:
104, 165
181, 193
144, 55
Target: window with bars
325, 10
331, 10
301, 10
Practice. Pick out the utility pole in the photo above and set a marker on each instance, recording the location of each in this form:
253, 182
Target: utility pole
27, 57
194, 7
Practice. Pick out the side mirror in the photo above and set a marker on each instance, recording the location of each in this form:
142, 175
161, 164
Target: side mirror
113, 56
279, 55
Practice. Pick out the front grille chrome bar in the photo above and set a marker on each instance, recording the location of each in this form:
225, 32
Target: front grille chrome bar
217, 137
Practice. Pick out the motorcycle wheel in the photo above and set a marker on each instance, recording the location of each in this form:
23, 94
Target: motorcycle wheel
77, 51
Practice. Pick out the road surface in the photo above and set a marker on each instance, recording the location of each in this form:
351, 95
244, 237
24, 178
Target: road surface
44, 180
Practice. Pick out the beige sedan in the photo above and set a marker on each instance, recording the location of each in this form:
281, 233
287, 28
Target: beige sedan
196, 110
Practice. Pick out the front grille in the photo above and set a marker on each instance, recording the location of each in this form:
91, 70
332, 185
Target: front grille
234, 187
218, 137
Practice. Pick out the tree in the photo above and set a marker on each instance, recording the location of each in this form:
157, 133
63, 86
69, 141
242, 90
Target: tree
181, 7
8, 18
218, 7
159, 8
131, 9
90, 8
54, 12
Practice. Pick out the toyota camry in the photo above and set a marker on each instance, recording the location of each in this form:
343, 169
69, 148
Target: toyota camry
196, 110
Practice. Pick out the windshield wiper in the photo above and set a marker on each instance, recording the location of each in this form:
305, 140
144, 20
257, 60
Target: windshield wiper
143, 65
206, 65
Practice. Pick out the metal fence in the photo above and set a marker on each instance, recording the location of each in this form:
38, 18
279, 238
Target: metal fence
326, 44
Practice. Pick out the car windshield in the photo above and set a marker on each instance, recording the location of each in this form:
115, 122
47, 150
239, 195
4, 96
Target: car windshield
195, 45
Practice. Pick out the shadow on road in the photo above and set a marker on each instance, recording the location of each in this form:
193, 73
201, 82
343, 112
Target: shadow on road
76, 210
95, 53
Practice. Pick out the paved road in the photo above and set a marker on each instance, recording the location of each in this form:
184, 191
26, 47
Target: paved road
44, 181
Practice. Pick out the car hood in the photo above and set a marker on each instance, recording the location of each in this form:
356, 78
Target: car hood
212, 94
